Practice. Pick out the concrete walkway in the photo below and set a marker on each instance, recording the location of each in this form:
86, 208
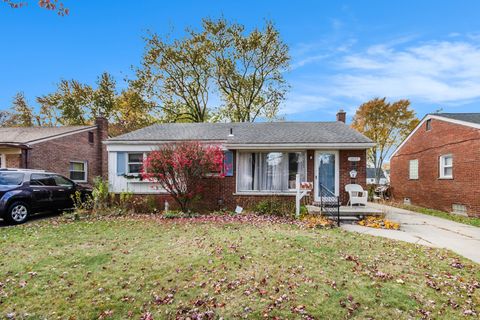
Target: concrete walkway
427, 230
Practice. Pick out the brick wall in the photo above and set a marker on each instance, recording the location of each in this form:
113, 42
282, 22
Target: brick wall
345, 168
429, 190
220, 192
55, 155
13, 160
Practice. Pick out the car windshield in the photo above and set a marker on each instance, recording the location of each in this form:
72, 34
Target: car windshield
11, 178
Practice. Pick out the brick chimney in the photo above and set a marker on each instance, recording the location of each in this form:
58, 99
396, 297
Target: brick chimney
102, 135
341, 115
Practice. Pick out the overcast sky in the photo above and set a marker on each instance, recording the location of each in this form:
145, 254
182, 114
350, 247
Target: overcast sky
343, 52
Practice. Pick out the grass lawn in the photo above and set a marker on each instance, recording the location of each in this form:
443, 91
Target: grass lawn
473, 221
148, 268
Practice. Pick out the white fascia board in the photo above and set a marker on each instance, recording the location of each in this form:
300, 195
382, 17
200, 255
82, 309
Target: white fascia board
300, 146
144, 147
159, 142
464, 123
436, 117
148, 146
132, 147
60, 135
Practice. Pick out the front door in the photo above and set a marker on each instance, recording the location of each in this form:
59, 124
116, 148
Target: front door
326, 173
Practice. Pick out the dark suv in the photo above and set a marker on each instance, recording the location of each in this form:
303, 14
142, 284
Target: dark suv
24, 192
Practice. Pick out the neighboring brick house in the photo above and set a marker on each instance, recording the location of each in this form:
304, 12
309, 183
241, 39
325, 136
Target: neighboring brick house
76, 152
438, 164
264, 157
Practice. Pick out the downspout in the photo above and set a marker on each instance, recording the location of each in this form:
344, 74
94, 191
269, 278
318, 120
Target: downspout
26, 158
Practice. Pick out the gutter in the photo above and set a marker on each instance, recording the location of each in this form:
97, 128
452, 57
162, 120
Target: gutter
257, 146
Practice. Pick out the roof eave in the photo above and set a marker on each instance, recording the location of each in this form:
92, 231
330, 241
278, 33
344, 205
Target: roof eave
433, 116
300, 146
259, 146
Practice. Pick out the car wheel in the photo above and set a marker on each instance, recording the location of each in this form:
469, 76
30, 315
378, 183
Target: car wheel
17, 213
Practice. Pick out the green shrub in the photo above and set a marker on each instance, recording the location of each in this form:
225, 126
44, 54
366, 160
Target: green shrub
275, 207
100, 193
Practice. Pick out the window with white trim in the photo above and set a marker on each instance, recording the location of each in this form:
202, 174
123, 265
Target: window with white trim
135, 162
446, 166
413, 169
78, 171
269, 171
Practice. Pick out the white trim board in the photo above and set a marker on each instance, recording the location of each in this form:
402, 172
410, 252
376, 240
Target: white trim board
117, 145
436, 117
337, 173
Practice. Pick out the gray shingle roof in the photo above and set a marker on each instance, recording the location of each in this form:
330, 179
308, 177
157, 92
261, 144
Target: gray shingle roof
248, 133
26, 135
468, 117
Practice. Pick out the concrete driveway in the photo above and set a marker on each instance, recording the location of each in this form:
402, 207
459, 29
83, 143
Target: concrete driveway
427, 230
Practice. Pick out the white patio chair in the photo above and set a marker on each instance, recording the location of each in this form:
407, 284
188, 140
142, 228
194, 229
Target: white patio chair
356, 194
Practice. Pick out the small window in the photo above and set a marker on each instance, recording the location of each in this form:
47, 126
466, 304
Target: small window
78, 171
135, 162
460, 209
91, 137
42, 180
413, 169
428, 125
446, 166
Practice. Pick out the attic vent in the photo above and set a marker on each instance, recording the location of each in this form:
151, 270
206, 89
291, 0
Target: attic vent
231, 132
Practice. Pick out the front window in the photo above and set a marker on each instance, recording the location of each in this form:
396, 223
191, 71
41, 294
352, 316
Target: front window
78, 171
135, 162
270, 171
446, 166
11, 178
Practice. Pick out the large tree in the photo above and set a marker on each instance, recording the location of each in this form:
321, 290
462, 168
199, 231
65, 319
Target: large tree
21, 114
245, 71
74, 103
248, 69
177, 75
387, 124
131, 112
71, 104
104, 96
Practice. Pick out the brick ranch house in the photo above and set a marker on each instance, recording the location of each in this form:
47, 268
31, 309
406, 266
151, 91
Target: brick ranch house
438, 164
76, 152
264, 159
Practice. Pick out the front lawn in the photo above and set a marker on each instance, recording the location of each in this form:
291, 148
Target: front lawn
148, 268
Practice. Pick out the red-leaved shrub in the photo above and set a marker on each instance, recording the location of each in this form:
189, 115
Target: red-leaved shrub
179, 168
